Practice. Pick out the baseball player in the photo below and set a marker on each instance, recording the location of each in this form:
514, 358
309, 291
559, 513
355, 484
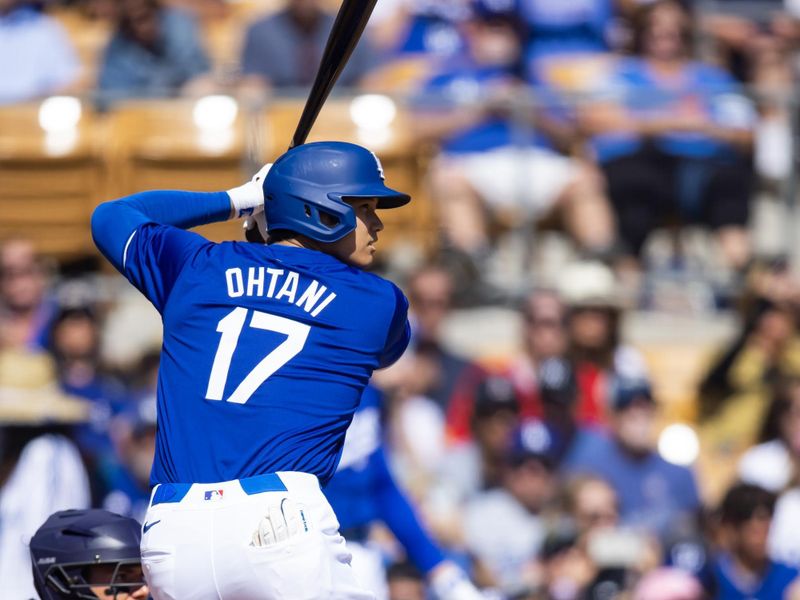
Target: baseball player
87, 554
266, 351
363, 491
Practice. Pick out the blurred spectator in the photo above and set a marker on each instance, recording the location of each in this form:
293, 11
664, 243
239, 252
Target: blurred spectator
417, 424
573, 26
155, 52
772, 464
558, 391
566, 569
591, 503
543, 336
363, 492
743, 568
25, 313
775, 466
405, 582
503, 527
594, 323
425, 28
659, 497
678, 143
569, 41
479, 463
283, 50
36, 56
127, 479
430, 295
74, 344
491, 160
40, 469
735, 393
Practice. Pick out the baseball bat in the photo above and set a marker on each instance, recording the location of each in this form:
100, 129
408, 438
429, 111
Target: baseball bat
347, 29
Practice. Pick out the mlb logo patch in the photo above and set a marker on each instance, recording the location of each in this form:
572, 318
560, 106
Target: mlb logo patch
213, 494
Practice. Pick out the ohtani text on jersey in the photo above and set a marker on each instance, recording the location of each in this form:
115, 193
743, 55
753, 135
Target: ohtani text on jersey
278, 284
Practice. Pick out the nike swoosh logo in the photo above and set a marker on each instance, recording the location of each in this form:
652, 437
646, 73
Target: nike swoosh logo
147, 526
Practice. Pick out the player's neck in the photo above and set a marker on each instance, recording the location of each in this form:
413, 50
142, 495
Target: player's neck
299, 242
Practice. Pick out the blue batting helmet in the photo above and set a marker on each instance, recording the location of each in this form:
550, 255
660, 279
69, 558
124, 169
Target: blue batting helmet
71, 542
306, 189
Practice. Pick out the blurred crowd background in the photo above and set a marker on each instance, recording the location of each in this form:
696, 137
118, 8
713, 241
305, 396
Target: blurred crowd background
602, 396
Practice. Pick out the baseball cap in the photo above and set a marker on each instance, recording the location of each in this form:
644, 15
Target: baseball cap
624, 391
557, 383
589, 284
494, 394
533, 440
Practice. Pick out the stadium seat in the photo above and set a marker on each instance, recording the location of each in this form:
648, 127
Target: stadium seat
178, 144
52, 174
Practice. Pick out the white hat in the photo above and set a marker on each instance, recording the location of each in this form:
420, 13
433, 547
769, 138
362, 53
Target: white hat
589, 284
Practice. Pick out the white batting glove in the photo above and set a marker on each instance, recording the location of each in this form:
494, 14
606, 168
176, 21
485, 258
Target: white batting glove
282, 521
248, 199
449, 582
255, 227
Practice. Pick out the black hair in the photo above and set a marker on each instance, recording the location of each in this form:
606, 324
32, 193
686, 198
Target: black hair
641, 22
743, 501
782, 397
82, 313
403, 570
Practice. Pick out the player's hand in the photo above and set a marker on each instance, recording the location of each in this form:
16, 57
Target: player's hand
248, 199
283, 520
255, 227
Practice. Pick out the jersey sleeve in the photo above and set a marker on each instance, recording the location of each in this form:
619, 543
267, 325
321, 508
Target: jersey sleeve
143, 237
396, 511
399, 331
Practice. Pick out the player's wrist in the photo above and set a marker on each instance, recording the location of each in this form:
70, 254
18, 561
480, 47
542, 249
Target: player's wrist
248, 199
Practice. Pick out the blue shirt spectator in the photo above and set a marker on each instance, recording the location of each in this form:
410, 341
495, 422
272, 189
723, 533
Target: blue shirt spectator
744, 570
154, 53
432, 29
698, 91
772, 584
284, 50
568, 41
654, 494
463, 82
569, 26
36, 56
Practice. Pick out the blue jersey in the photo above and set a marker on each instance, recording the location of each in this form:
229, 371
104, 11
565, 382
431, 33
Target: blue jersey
363, 489
772, 586
266, 348
462, 82
699, 90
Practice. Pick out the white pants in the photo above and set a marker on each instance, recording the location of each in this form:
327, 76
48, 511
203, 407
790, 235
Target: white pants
196, 544
527, 180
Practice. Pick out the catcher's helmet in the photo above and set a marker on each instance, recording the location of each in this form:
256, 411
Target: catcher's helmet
306, 188
72, 541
